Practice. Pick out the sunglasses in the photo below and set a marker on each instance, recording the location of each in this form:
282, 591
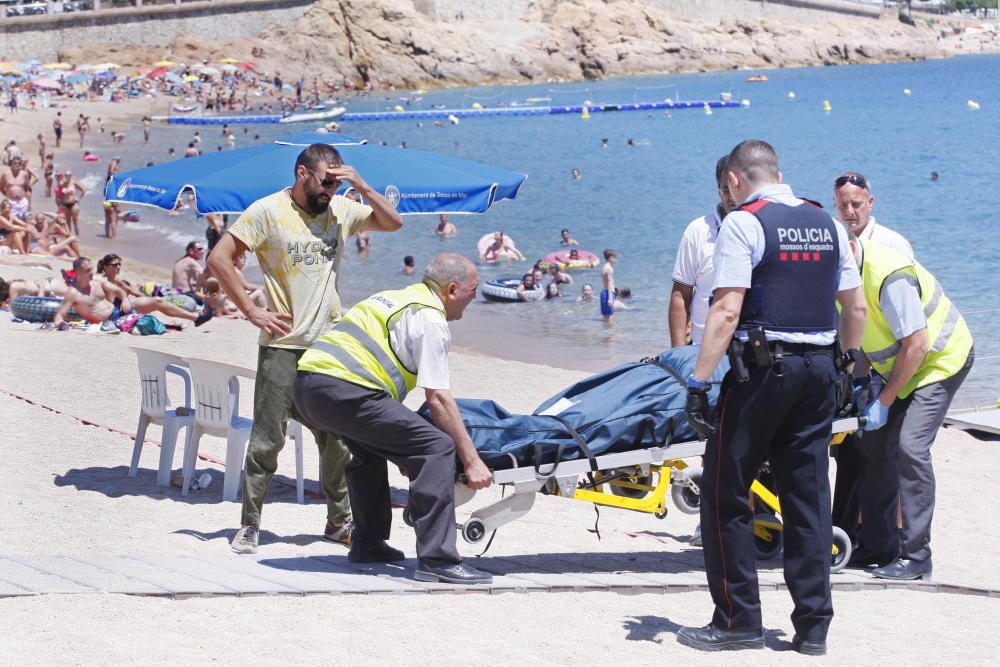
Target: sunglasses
853, 179
117, 266
326, 181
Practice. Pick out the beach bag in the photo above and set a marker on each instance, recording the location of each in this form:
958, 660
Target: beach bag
147, 325
633, 406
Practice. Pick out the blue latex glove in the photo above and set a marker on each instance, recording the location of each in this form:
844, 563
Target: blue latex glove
876, 415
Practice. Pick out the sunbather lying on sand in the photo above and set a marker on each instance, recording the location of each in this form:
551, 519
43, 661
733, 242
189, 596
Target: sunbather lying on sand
97, 300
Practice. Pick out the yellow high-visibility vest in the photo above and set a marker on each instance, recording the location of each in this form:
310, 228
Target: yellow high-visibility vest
357, 349
948, 337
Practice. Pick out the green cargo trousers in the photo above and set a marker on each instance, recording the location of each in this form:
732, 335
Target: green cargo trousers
272, 408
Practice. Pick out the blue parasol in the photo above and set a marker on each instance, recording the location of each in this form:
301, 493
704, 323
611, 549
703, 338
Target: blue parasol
228, 182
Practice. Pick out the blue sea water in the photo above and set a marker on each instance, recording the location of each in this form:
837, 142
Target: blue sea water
639, 199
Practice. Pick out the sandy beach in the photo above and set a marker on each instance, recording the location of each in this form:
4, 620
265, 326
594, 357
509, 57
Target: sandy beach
69, 402
66, 491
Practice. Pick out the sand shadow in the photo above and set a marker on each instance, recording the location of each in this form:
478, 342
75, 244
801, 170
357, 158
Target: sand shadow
266, 536
114, 482
649, 629
573, 563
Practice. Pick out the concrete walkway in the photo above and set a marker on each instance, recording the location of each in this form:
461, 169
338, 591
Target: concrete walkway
232, 575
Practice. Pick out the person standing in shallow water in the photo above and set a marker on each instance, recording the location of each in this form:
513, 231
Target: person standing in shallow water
298, 235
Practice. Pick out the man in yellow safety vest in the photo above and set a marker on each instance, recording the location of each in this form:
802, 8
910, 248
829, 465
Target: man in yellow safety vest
351, 382
917, 340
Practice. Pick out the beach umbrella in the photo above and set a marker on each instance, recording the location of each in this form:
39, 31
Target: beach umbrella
105, 66
157, 73
174, 78
32, 63
229, 61
188, 78
229, 181
164, 63
229, 68
57, 66
46, 82
77, 78
247, 66
205, 69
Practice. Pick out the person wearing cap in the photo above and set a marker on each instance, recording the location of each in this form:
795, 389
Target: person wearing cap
781, 265
352, 381
917, 340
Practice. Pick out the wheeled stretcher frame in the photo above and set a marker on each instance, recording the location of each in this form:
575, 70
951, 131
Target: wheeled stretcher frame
637, 480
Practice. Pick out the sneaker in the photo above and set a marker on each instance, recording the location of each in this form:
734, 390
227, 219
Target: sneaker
245, 541
339, 534
696, 540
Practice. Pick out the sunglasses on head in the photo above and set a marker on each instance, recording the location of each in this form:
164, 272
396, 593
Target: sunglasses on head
853, 179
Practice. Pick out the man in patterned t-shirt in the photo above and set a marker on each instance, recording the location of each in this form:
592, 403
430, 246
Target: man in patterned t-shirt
298, 236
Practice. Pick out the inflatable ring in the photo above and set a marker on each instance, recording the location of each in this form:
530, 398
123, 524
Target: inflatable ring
90, 157
130, 216
561, 258
37, 308
484, 243
505, 290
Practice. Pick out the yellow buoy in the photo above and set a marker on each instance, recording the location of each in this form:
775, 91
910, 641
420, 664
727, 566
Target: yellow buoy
397, 108
477, 105
826, 106
791, 94
585, 114
972, 104
907, 92
708, 110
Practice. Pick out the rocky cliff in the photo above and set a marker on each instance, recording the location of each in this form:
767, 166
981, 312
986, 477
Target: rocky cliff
391, 42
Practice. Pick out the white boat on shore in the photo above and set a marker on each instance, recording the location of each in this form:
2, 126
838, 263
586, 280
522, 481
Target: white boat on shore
314, 116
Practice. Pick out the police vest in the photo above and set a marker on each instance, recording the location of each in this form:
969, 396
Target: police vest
794, 287
948, 337
357, 349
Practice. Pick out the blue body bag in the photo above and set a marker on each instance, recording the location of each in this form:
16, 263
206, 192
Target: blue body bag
633, 406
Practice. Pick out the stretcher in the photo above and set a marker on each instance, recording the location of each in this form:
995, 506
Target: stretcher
637, 480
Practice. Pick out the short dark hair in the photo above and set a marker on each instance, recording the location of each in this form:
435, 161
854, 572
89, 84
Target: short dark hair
78, 262
755, 160
408, 260
191, 245
720, 170
316, 153
609, 253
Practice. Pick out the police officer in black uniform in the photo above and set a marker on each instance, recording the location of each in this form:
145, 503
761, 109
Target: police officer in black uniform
781, 262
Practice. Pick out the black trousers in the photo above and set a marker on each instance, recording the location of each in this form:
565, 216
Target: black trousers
788, 419
377, 428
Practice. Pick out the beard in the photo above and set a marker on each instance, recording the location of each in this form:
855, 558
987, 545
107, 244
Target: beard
317, 202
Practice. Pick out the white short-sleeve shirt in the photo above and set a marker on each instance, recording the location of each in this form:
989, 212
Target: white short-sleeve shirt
421, 338
740, 248
884, 236
694, 266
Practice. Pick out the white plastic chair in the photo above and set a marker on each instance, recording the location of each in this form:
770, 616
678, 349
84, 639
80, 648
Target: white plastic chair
217, 412
155, 408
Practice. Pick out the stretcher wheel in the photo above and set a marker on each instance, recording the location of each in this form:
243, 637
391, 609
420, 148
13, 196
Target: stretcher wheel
626, 492
767, 536
473, 531
662, 514
842, 549
408, 517
686, 491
